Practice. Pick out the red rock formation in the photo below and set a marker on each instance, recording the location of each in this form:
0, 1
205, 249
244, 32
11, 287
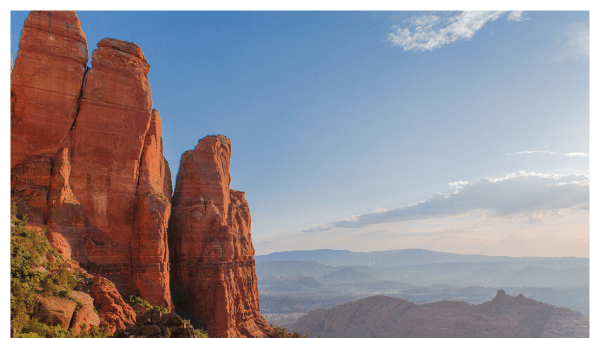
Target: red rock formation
112, 310
65, 217
212, 257
86, 158
30, 182
149, 248
46, 83
54, 311
86, 315
106, 145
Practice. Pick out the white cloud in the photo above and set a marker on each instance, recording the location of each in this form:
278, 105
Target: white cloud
429, 32
576, 154
459, 183
516, 16
519, 194
533, 152
550, 153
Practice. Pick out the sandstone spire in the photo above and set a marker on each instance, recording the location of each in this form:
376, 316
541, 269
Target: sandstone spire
46, 83
212, 258
86, 153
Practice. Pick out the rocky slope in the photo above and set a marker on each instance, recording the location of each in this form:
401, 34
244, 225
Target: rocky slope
503, 316
212, 257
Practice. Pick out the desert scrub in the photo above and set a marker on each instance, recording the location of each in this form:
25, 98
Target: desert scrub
136, 302
34, 272
200, 333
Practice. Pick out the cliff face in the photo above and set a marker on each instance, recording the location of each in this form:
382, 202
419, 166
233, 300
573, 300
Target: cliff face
212, 258
87, 162
46, 84
86, 153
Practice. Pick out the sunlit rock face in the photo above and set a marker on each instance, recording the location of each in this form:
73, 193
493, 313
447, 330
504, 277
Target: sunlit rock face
46, 83
86, 153
87, 163
213, 274
149, 248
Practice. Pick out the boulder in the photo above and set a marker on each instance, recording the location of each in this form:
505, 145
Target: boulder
54, 311
85, 315
112, 310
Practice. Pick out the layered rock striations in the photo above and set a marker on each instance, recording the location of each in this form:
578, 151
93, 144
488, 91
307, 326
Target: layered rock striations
213, 273
86, 153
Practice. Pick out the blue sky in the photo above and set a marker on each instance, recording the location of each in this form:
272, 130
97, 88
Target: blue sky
463, 132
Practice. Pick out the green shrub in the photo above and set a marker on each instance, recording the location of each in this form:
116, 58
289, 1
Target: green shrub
31, 274
137, 302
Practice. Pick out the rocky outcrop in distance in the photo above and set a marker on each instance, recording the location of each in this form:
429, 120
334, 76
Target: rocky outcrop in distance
87, 163
503, 316
212, 258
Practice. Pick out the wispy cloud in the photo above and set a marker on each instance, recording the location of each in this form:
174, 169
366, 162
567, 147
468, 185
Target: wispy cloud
573, 42
576, 154
522, 193
516, 16
429, 31
550, 153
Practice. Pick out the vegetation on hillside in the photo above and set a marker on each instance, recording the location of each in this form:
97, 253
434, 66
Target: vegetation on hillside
37, 269
138, 303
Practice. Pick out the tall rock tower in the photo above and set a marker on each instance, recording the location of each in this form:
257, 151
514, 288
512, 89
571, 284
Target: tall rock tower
213, 274
86, 153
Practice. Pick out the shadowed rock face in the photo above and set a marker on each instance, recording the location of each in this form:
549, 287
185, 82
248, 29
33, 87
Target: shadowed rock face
86, 153
212, 258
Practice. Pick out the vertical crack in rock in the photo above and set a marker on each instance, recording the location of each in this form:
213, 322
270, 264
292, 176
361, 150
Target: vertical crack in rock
113, 119
152, 210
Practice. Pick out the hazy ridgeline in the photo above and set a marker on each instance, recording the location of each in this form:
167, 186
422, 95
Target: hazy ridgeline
293, 283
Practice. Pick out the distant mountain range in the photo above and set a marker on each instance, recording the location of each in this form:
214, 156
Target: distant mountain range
503, 316
395, 258
432, 268
290, 284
